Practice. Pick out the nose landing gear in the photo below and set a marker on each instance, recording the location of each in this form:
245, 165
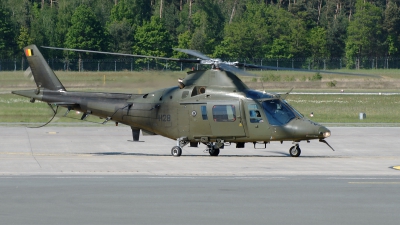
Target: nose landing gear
295, 151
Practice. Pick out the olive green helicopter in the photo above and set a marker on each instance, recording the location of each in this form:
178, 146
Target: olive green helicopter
213, 107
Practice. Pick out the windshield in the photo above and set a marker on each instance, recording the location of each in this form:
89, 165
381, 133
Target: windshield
277, 112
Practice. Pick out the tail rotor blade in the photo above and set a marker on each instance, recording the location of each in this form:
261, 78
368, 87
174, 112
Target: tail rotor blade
28, 74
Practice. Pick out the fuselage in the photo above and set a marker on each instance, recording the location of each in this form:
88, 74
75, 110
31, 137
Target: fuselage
210, 105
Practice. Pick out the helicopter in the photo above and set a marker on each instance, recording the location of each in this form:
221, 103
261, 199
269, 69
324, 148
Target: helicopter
211, 107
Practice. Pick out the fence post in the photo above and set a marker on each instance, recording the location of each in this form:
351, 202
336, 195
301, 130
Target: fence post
98, 66
387, 62
15, 64
277, 64
115, 66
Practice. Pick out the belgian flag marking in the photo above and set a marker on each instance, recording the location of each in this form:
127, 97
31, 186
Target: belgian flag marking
28, 52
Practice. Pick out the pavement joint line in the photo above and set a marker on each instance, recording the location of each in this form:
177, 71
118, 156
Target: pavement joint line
361, 182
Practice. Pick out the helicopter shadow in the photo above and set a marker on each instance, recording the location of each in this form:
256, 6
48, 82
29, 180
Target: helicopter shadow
281, 155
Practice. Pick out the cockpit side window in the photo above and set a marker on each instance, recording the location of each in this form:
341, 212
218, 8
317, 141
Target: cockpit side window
277, 112
255, 115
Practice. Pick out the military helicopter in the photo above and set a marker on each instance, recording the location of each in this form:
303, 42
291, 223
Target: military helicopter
213, 107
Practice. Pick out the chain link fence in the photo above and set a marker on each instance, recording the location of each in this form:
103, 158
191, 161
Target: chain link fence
131, 64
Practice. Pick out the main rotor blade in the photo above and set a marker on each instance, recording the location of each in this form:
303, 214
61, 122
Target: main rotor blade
193, 53
125, 54
233, 69
306, 70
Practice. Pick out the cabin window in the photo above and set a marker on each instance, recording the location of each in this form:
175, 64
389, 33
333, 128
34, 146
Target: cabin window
255, 114
224, 113
204, 112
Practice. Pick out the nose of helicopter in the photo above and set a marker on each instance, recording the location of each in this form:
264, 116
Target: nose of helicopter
306, 129
324, 132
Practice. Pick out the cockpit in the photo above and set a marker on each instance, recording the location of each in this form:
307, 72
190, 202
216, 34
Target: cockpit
279, 112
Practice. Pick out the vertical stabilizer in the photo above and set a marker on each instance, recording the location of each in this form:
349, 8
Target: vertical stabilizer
42, 73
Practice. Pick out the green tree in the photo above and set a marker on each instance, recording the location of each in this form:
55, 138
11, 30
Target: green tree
7, 42
364, 33
64, 13
248, 37
86, 31
152, 39
391, 25
183, 43
264, 31
121, 36
134, 11
24, 38
336, 35
318, 43
36, 26
279, 49
170, 16
208, 22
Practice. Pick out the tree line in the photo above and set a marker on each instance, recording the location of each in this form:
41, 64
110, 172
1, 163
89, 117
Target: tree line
356, 30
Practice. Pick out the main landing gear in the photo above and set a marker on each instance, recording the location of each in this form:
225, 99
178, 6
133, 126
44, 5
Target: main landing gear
176, 151
295, 151
213, 149
180, 143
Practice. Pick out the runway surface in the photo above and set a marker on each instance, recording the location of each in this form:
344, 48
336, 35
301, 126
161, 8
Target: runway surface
106, 150
94, 175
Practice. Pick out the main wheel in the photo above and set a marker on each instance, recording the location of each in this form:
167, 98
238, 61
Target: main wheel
295, 151
213, 151
176, 151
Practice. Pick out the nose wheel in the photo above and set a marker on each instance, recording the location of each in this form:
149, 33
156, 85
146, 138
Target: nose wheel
295, 151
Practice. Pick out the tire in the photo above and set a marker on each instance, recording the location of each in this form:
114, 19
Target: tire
213, 151
295, 151
176, 151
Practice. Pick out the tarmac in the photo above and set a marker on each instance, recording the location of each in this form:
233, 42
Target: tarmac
96, 175
106, 150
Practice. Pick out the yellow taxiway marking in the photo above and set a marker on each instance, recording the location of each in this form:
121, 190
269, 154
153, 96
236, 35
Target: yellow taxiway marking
396, 167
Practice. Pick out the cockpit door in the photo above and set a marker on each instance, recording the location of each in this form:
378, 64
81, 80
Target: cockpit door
257, 123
